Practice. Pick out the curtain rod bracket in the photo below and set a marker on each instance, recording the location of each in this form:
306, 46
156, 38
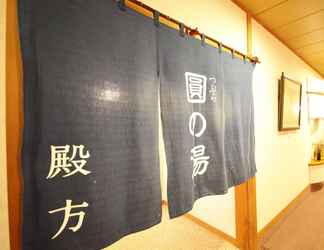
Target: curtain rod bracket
194, 32
220, 47
203, 38
156, 15
121, 5
233, 53
181, 29
255, 59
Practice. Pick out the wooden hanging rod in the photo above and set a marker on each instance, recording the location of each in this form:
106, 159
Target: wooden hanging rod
193, 32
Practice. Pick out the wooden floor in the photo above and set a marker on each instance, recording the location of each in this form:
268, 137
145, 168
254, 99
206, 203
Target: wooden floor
176, 234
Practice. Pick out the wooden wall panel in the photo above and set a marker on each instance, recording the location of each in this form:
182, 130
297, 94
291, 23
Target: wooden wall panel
13, 123
4, 222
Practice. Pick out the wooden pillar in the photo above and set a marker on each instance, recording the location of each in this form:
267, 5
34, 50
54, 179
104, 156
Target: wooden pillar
14, 122
245, 194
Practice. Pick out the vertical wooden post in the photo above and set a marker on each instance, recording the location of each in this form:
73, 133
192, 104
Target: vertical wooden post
4, 222
245, 194
14, 124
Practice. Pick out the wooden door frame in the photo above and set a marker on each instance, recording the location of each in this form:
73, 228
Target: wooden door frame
14, 124
245, 194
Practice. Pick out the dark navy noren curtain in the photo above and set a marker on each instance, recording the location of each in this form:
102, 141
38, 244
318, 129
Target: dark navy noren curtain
207, 116
90, 151
92, 74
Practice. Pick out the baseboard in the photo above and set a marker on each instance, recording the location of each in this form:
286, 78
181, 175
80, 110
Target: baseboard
208, 227
284, 213
264, 231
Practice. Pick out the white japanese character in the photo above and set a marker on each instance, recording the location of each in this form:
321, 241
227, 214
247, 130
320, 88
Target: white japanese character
67, 214
200, 161
213, 80
196, 87
60, 160
213, 89
193, 121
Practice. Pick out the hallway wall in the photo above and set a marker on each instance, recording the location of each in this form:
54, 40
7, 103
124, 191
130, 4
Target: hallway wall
4, 231
281, 157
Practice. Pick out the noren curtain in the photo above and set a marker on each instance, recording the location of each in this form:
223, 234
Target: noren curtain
90, 153
207, 116
92, 76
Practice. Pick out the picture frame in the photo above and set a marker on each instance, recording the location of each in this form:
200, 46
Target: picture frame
289, 108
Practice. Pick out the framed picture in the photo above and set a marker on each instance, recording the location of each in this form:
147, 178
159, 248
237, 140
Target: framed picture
290, 94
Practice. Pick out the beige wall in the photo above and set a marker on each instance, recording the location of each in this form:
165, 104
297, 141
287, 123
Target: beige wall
282, 158
220, 19
4, 225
